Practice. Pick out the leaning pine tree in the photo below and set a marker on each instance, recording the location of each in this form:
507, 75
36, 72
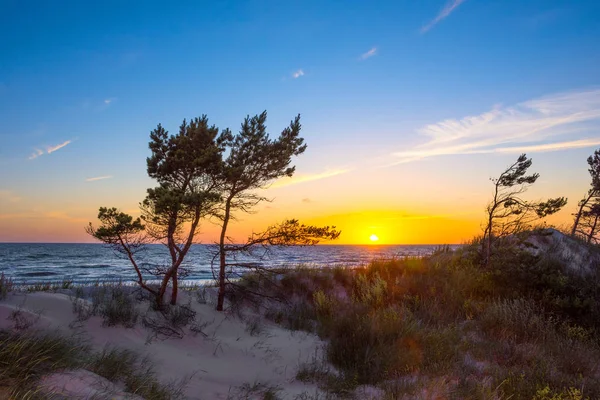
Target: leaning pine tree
186, 167
254, 161
508, 213
588, 205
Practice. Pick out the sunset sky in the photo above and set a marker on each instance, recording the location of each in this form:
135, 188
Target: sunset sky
408, 107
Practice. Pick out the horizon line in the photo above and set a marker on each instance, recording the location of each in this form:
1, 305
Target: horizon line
318, 244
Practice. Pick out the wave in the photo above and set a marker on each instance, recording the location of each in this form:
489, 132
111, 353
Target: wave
37, 274
94, 266
92, 262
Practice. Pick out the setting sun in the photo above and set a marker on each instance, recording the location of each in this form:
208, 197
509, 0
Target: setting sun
373, 238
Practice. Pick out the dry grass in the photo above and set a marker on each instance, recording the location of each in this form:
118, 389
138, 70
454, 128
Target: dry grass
27, 356
443, 326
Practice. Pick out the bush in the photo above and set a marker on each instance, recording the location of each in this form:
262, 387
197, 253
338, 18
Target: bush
135, 373
519, 320
112, 302
116, 306
549, 281
444, 324
373, 346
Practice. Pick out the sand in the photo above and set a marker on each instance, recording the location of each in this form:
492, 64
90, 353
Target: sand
219, 361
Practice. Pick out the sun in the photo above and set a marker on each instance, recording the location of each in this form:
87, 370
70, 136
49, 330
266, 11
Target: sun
373, 238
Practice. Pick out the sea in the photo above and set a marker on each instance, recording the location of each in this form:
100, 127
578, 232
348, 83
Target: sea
28, 263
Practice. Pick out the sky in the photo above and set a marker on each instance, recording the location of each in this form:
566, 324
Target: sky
408, 107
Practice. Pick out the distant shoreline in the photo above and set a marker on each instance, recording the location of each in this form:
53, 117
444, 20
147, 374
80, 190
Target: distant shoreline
213, 244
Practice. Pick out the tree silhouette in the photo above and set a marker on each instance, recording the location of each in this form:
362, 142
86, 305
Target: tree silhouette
508, 213
254, 161
287, 233
186, 167
589, 225
592, 197
196, 182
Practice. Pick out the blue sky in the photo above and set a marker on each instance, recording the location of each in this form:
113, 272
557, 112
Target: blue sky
379, 86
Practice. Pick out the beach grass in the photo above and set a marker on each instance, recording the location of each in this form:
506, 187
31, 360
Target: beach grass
443, 324
25, 357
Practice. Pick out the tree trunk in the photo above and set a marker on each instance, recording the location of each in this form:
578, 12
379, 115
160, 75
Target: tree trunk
582, 204
163, 287
221, 297
487, 240
483, 242
488, 249
159, 300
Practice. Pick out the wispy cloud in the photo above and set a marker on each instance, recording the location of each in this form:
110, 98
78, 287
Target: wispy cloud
540, 125
369, 53
36, 153
307, 178
52, 149
298, 74
98, 178
48, 150
444, 13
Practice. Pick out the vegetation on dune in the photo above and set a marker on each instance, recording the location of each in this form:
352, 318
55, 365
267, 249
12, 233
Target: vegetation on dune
587, 217
495, 319
522, 328
27, 357
508, 213
205, 173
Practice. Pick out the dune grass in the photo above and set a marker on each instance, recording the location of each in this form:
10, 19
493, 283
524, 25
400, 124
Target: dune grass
27, 356
444, 326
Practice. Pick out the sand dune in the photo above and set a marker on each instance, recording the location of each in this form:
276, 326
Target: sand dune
225, 356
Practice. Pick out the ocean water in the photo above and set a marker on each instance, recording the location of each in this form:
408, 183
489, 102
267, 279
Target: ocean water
39, 262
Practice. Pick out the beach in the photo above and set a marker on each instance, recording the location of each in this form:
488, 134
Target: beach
216, 362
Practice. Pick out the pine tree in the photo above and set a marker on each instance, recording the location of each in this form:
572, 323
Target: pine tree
508, 213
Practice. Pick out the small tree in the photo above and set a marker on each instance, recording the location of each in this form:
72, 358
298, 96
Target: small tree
253, 162
508, 213
187, 167
589, 224
593, 195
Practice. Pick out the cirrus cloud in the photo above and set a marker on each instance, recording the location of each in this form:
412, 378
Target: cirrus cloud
48, 150
300, 178
552, 123
369, 54
443, 14
98, 178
